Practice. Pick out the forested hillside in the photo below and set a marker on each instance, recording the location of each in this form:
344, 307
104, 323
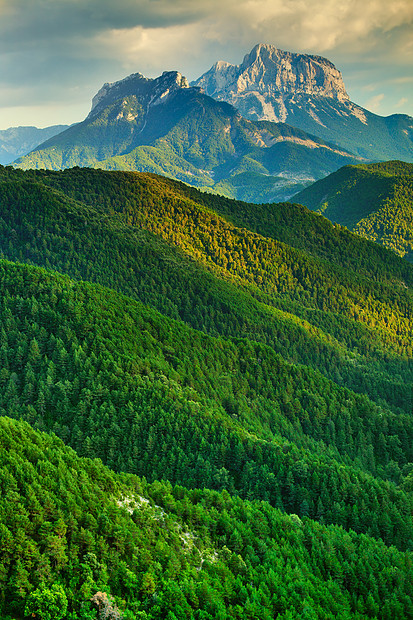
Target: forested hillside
256, 352
116, 380
71, 531
146, 237
374, 200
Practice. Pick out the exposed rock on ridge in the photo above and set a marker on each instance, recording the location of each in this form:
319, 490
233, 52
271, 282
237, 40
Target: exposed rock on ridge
271, 83
154, 90
267, 76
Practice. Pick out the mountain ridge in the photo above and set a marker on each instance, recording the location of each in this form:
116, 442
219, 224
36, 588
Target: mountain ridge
153, 231
157, 89
373, 200
278, 71
17, 141
162, 126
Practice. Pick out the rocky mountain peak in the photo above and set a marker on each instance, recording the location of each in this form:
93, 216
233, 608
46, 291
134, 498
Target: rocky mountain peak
151, 91
167, 83
270, 71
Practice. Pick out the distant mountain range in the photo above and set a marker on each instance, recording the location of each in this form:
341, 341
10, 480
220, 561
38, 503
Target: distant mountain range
163, 126
17, 141
375, 201
227, 133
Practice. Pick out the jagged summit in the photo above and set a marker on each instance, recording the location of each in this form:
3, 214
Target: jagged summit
162, 125
286, 72
156, 90
307, 92
269, 71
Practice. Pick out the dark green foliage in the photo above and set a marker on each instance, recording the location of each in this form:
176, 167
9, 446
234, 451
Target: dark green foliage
148, 395
375, 201
254, 401
257, 280
306, 307
158, 551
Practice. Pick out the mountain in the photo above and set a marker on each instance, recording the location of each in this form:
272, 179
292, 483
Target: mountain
163, 126
17, 141
150, 92
307, 92
375, 201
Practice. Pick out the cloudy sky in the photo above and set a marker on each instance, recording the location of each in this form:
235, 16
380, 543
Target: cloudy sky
55, 54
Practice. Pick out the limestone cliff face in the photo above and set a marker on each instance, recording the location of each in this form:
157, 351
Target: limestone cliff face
279, 86
307, 92
268, 71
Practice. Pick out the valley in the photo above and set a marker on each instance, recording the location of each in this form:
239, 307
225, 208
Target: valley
206, 338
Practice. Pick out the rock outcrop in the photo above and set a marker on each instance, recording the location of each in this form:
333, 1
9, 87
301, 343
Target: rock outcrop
149, 91
259, 86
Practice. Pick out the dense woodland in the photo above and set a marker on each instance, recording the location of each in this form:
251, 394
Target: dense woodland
374, 200
70, 527
350, 323
239, 349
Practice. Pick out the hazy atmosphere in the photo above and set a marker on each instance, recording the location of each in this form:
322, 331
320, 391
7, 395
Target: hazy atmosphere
55, 54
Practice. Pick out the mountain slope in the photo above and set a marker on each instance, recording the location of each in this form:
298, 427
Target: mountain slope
307, 92
147, 237
72, 530
149, 395
163, 126
375, 201
17, 141
117, 380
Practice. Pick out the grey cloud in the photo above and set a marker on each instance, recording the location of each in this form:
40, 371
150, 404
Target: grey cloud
34, 79
39, 20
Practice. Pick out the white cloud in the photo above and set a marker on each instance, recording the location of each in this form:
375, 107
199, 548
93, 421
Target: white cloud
401, 102
408, 79
374, 103
323, 24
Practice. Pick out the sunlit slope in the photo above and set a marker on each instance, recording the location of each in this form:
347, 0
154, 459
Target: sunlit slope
141, 236
375, 201
117, 380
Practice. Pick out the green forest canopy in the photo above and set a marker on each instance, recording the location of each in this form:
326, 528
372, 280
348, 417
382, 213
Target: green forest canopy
262, 362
